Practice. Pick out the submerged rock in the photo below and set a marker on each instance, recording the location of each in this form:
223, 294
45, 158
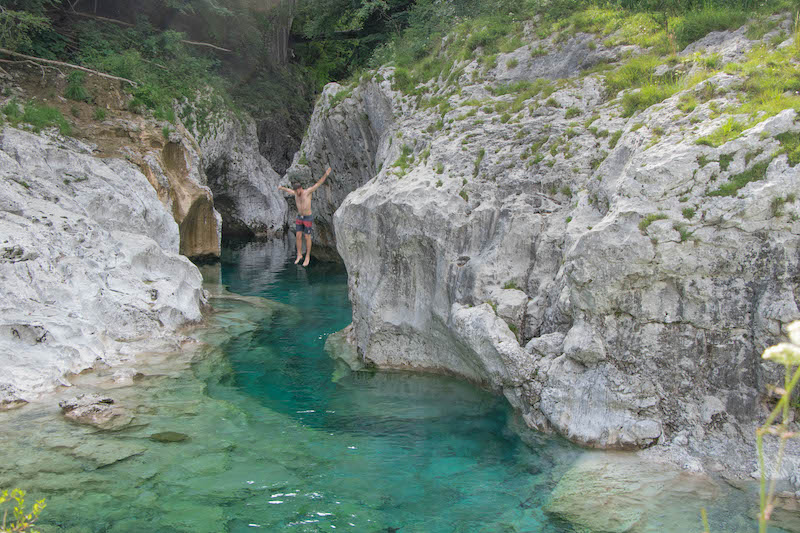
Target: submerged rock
169, 436
615, 493
9, 398
95, 410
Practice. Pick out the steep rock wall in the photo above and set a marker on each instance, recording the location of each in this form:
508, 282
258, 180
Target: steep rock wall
346, 133
242, 180
596, 269
89, 264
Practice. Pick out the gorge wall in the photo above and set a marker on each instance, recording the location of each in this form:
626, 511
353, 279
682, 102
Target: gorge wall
97, 226
613, 273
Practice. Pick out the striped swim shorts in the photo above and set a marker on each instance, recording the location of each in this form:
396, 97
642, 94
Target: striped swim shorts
303, 223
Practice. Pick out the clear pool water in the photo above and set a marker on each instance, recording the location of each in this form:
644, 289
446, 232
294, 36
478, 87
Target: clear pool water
424, 453
280, 439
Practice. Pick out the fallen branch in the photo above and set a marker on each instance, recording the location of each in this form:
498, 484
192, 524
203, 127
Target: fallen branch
12, 62
68, 65
129, 25
198, 43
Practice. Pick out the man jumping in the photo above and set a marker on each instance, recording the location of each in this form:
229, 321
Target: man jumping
304, 218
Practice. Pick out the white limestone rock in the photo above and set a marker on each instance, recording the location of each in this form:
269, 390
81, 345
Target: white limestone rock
646, 289
242, 180
88, 263
347, 133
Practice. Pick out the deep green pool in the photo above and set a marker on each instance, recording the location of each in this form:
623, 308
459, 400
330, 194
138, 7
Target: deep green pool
424, 453
279, 438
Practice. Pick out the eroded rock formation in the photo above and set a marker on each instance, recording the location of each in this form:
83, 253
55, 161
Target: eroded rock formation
345, 133
89, 263
242, 180
613, 277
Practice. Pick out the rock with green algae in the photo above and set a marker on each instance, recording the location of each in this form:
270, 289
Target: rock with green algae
619, 493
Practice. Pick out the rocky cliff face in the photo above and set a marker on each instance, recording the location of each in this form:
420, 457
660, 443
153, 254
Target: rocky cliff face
615, 278
242, 180
88, 261
348, 132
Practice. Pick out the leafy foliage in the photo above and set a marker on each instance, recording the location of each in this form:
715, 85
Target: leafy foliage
23, 520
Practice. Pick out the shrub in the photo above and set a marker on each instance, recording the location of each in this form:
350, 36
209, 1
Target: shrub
402, 80
22, 520
572, 112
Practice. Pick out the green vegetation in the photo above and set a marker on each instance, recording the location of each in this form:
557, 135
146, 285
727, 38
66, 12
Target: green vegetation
481, 155
463, 194
682, 231
37, 115
776, 206
21, 519
75, 89
406, 158
754, 173
727, 132
339, 97
572, 112
612, 142
688, 212
649, 219
790, 145
511, 285
99, 113
725, 161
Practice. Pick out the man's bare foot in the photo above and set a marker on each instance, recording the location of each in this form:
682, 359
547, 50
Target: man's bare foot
299, 257
308, 258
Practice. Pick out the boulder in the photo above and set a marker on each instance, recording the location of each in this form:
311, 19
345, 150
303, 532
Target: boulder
611, 493
95, 410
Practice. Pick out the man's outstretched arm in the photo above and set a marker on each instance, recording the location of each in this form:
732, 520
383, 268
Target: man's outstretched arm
284, 189
320, 182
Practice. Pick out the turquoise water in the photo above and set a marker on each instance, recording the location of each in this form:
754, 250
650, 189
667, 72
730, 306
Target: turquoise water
279, 438
427, 453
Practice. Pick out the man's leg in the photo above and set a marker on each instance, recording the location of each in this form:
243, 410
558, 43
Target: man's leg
299, 247
308, 250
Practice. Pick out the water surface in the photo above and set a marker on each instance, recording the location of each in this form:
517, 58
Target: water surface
280, 439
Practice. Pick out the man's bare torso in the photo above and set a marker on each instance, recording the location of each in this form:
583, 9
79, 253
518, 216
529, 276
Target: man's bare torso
303, 201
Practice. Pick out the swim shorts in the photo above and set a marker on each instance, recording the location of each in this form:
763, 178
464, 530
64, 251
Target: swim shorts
303, 223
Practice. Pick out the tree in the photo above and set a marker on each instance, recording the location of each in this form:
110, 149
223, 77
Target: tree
18, 25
